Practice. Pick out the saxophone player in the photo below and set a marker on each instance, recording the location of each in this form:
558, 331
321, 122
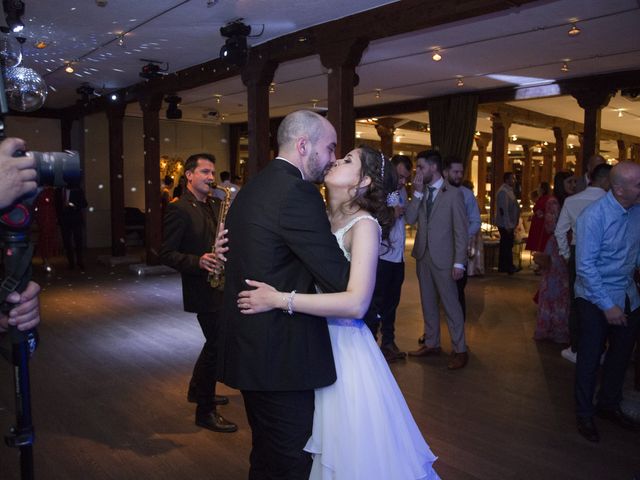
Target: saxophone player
189, 234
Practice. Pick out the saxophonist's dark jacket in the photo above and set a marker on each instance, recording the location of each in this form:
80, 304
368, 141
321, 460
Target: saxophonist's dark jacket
189, 231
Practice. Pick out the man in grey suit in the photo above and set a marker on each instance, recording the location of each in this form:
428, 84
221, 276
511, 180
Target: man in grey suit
440, 250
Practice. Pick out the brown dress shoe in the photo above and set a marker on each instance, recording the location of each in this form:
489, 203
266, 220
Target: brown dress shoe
425, 351
458, 360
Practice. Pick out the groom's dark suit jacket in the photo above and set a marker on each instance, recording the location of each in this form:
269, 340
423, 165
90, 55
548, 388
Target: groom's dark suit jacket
279, 234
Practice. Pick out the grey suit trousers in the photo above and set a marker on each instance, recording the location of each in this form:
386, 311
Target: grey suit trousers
434, 283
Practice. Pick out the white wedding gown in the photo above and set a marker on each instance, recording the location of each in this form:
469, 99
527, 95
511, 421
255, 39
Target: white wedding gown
362, 426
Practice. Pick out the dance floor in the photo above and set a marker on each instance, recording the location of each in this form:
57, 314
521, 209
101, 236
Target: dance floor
109, 388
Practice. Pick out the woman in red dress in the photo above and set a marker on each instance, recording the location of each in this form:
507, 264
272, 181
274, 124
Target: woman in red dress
538, 235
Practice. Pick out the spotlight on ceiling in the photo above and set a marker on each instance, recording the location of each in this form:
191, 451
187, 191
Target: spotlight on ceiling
565, 67
436, 57
113, 97
13, 12
153, 69
235, 49
173, 112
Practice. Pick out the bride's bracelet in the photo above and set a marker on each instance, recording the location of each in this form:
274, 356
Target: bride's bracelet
289, 301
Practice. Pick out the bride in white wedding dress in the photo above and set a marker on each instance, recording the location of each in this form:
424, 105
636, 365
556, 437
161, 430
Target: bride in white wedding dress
362, 426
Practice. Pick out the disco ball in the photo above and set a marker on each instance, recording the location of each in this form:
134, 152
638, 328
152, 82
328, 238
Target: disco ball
26, 90
10, 52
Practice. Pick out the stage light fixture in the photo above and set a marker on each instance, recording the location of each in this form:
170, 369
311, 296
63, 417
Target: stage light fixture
565, 67
436, 57
173, 112
460, 82
153, 69
68, 67
235, 49
13, 12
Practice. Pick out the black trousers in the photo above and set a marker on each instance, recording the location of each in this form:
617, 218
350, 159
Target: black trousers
505, 252
281, 423
594, 333
72, 243
386, 298
203, 380
461, 284
574, 319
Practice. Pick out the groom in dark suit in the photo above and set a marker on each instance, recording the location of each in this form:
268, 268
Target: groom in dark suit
279, 233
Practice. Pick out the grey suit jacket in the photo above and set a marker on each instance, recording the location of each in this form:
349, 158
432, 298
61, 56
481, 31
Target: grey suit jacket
444, 234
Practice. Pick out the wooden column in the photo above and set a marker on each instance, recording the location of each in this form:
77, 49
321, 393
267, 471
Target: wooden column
622, 151
234, 157
537, 173
482, 142
257, 75
635, 152
547, 165
341, 60
500, 124
115, 117
561, 148
385, 128
592, 101
150, 105
66, 123
273, 136
526, 175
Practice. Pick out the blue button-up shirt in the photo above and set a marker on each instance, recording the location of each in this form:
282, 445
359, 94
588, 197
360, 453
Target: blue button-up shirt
607, 252
473, 211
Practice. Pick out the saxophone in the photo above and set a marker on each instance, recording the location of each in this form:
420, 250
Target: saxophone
216, 279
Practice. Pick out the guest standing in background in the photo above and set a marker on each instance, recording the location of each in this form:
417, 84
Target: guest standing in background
70, 205
46, 219
553, 295
507, 218
538, 235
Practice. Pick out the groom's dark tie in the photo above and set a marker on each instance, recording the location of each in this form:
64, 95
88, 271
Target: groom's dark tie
430, 201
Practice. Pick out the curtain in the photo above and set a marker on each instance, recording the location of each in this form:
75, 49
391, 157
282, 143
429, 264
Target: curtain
453, 125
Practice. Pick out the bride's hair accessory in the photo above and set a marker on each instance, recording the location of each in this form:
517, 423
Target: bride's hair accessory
381, 166
393, 199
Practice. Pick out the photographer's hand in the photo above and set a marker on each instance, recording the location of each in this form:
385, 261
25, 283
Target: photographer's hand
17, 175
26, 314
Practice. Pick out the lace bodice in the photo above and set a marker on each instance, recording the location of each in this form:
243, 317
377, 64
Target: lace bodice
340, 233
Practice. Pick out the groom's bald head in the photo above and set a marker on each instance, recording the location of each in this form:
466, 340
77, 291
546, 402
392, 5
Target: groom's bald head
302, 123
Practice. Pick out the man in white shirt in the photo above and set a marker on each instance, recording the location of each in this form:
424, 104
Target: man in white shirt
390, 271
585, 180
571, 210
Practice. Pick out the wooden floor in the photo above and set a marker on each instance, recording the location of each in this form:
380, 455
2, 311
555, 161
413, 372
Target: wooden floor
109, 385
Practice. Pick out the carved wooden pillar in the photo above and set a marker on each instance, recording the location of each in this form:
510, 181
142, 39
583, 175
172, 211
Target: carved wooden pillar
482, 142
593, 101
257, 75
547, 165
341, 60
66, 124
622, 151
150, 105
536, 173
526, 175
273, 136
234, 157
561, 148
115, 116
385, 128
500, 124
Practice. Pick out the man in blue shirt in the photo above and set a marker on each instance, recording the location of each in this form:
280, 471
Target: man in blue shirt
607, 300
455, 174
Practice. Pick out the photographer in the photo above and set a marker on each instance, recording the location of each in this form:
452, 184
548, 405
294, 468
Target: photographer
17, 178
17, 175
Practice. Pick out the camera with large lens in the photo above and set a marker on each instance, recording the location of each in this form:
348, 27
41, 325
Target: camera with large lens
56, 169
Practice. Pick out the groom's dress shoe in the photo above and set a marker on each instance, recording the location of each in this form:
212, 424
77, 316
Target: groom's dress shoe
458, 360
617, 416
216, 422
425, 351
588, 429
